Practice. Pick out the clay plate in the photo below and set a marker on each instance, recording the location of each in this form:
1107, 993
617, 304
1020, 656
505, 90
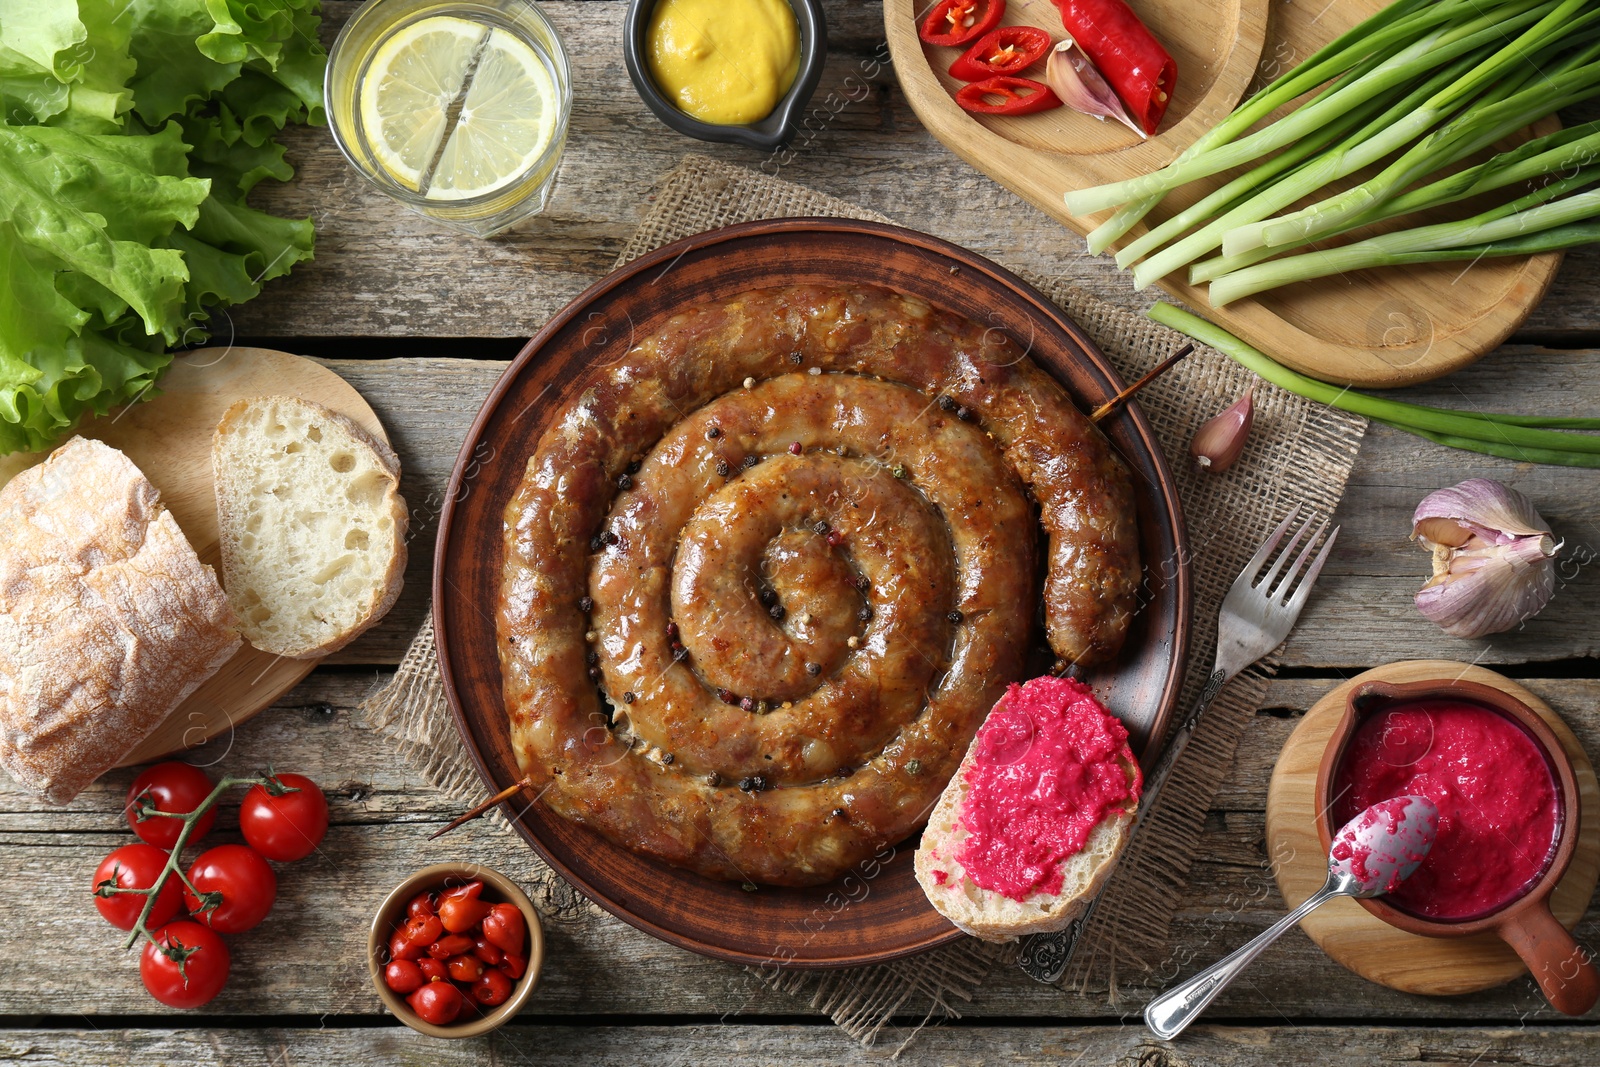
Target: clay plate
877, 913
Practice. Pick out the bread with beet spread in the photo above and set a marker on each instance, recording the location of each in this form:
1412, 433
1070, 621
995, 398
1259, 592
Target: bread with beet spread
992, 915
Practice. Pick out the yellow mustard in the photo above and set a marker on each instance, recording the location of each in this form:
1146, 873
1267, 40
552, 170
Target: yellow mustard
726, 62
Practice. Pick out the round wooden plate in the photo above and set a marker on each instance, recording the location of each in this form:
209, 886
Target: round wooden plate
1380, 328
1347, 932
169, 439
878, 913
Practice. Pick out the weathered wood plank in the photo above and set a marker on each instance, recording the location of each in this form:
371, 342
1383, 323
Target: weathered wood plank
307, 957
732, 1044
1364, 600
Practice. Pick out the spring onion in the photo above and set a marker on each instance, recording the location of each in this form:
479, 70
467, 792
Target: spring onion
1399, 105
1528, 439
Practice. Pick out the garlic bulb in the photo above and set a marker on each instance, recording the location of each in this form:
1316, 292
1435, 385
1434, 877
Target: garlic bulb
1493, 558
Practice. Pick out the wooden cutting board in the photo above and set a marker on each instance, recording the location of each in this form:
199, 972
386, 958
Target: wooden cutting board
169, 439
1375, 328
1359, 940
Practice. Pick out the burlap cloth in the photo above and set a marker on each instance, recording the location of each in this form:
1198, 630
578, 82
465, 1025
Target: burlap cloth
1299, 452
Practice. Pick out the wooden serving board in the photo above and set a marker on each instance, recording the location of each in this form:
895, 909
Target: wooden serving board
1359, 940
1377, 328
169, 439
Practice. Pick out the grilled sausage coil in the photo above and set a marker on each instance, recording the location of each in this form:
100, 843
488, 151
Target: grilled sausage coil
765, 576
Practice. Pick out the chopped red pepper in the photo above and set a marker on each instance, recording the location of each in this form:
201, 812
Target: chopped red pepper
1018, 96
956, 22
1127, 55
1007, 50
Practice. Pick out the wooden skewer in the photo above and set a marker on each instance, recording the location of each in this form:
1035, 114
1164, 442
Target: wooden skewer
504, 794
1111, 405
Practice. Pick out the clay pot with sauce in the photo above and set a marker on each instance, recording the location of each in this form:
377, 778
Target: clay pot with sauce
1520, 914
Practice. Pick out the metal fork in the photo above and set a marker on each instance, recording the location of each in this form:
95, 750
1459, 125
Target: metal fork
1256, 616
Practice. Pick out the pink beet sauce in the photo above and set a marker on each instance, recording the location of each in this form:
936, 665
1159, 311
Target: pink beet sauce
1390, 852
1499, 810
1048, 768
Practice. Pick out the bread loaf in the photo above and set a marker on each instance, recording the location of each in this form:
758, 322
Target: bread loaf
995, 916
108, 619
313, 526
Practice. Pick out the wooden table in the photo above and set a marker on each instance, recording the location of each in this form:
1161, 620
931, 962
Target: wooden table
421, 320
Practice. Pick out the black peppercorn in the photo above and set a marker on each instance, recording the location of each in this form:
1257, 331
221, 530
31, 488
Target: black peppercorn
592, 656
956, 617
795, 357
820, 527
609, 538
749, 461
594, 674
863, 583
666, 759
767, 597
813, 668
624, 482
713, 433
964, 414
722, 468
633, 468
628, 698
586, 604
948, 403
777, 612
713, 779
865, 613
595, 544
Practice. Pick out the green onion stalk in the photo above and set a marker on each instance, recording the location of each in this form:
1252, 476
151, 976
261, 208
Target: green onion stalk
1525, 438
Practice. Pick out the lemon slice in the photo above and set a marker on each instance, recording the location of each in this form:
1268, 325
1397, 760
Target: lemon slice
409, 87
507, 121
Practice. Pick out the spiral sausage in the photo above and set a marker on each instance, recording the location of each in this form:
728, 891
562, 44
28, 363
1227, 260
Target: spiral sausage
790, 539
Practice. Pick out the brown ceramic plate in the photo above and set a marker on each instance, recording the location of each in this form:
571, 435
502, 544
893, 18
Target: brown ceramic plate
879, 914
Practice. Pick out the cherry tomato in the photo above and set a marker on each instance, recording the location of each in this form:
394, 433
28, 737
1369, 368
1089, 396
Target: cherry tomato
136, 866
465, 968
514, 966
433, 970
505, 927
403, 976
175, 787
438, 1003
450, 945
490, 954
247, 885
204, 971
460, 909
288, 826
491, 989
422, 904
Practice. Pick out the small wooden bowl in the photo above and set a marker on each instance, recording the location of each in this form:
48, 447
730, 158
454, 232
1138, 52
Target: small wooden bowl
391, 913
1560, 965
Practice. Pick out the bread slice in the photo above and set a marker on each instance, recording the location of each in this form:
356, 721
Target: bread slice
108, 619
313, 526
992, 916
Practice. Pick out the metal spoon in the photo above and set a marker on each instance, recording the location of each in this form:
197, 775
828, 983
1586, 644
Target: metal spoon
1371, 855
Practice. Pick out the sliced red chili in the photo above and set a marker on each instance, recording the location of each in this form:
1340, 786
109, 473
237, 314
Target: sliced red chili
1007, 50
1126, 53
957, 22
1018, 96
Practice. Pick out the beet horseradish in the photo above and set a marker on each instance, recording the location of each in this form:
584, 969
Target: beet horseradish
1051, 764
1500, 812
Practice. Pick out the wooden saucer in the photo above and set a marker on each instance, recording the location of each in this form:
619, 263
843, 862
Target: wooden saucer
169, 438
1343, 929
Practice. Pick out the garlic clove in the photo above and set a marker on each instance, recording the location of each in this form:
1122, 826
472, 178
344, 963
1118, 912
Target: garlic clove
1493, 558
1073, 77
1220, 442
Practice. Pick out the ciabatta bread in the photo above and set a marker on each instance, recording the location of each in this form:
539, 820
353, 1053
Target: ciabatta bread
313, 526
108, 619
993, 916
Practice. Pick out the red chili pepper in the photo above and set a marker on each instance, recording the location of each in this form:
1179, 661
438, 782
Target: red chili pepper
1125, 52
1007, 50
1018, 96
956, 22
